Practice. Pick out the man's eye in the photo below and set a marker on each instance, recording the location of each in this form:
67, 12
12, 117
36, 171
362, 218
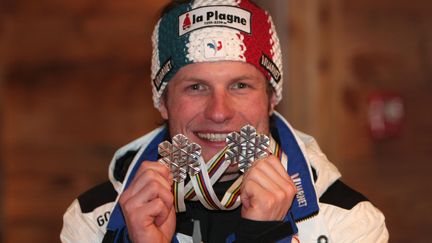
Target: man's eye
196, 87
240, 85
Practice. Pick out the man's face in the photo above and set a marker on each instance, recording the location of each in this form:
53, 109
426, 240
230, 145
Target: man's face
206, 101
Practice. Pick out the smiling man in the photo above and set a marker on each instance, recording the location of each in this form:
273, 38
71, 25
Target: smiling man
206, 101
216, 67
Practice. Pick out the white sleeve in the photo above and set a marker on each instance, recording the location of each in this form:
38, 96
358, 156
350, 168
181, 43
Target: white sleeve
80, 227
362, 223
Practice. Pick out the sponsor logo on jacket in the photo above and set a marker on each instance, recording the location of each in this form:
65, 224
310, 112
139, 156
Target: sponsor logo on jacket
300, 196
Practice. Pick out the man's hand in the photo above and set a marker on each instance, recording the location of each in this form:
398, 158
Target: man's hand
148, 204
267, 191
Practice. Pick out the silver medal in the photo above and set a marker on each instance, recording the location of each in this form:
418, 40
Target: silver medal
181, 157
246, 147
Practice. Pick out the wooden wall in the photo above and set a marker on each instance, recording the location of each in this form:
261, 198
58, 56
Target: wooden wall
389, 48
342, 51
74, 87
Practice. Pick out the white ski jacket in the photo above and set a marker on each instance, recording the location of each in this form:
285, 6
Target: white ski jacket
344, 214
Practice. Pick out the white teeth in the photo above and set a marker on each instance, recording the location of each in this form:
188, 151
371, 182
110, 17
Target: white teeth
213, 137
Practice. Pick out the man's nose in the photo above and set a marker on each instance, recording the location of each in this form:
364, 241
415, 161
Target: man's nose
219, 107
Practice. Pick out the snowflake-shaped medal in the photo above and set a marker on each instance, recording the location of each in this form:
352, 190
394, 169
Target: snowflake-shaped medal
181, 157
246, 147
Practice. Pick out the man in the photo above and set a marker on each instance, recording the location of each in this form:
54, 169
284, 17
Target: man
217, 67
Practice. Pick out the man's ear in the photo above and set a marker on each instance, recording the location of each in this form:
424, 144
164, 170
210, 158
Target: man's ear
163, 109
273, 102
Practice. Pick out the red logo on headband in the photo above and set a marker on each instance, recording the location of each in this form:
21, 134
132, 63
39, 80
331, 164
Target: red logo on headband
186, 22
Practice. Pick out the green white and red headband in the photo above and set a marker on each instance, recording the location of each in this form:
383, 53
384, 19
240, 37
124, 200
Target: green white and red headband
210, 31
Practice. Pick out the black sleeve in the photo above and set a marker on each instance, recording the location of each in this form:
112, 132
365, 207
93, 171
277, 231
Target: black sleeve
97, 196
341, 195
118, 236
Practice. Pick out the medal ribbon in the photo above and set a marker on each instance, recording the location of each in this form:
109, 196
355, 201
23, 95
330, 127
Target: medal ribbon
200, 187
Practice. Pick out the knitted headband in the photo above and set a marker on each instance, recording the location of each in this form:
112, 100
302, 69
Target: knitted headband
215, 30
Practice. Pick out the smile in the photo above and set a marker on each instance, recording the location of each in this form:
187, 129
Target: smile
213, 137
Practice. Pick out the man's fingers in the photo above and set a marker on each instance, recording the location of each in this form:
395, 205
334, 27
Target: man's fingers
274, 170
158, 211
153, 190
154, 166
275, 165
152, 213
260, 177
267, 191
147, 203
251, 191
146, 177
258, 203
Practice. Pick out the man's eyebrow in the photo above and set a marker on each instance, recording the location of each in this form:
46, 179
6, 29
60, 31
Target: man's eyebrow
192, 79
236, 78
246, 76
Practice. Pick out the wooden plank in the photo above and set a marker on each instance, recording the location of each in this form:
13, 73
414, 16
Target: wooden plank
76, 88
